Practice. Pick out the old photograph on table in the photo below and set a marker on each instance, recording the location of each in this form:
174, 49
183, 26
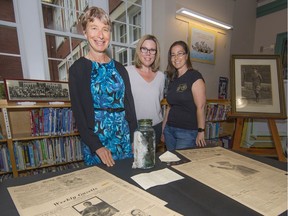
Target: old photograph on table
256, 86
36, 90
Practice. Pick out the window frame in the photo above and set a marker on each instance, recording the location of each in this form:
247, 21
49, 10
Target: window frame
42, 70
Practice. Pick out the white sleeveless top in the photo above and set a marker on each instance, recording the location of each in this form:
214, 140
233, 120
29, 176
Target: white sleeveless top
147, 95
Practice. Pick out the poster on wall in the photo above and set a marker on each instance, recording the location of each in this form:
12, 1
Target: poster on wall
223, 88
203, 44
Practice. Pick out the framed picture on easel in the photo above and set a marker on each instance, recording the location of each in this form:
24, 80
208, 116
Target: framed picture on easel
257, 86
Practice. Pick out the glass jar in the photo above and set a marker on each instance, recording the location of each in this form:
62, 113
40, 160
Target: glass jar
144, 145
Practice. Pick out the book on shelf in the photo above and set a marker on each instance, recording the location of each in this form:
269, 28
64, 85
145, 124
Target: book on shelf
1, 134
5, 164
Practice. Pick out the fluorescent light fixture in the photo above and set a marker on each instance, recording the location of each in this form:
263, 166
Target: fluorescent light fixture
190, 13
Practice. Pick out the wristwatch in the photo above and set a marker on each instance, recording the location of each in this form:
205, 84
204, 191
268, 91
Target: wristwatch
201, 129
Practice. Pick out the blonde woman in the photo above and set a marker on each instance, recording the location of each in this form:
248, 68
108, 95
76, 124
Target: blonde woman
147, 82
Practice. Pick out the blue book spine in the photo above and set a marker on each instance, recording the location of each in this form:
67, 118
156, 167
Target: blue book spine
62, 147
38, 153
16, 154
31, 154
46, 126
1, 160
4, 153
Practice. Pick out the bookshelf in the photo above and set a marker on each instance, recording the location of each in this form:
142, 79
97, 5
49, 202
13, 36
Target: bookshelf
37, 137
219, 128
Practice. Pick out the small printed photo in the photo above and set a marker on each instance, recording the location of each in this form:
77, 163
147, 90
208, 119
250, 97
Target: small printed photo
95, 206
138, 212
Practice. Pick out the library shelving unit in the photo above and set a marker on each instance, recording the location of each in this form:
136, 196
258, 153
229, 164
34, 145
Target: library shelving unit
37, 137
219, 128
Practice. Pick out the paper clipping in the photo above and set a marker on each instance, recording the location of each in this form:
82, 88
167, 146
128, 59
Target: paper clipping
87, 192
160, 177
259, 186
169, 157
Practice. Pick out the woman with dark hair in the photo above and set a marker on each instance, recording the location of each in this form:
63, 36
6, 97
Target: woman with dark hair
184, 122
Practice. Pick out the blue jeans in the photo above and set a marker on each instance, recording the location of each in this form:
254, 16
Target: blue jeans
177, 138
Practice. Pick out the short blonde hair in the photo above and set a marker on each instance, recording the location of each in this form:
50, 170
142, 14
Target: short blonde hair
156, 64
95, 12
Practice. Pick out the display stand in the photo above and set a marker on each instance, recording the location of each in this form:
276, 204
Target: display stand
277, 151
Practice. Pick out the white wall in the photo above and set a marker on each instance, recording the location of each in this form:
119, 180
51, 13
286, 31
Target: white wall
267, 28
169, 29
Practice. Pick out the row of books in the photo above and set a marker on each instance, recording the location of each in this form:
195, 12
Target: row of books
212, 130
50, 151
52, 121
216, 112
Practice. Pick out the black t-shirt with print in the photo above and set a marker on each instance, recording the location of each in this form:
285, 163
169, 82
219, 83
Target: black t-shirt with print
182, 113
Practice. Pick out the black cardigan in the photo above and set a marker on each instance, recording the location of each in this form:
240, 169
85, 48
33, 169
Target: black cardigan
82, 102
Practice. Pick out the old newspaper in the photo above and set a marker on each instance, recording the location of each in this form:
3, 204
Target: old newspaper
87, 192
259, 186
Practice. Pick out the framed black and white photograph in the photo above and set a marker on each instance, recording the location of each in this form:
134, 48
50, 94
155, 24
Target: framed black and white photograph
36, 90
257, 86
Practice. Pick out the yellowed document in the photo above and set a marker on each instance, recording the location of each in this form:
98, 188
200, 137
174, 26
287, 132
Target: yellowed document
92, 189
259, 186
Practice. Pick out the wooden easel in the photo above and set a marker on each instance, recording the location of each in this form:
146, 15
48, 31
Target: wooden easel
268, 152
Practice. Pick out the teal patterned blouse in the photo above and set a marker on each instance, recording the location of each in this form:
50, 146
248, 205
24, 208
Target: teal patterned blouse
108, 89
